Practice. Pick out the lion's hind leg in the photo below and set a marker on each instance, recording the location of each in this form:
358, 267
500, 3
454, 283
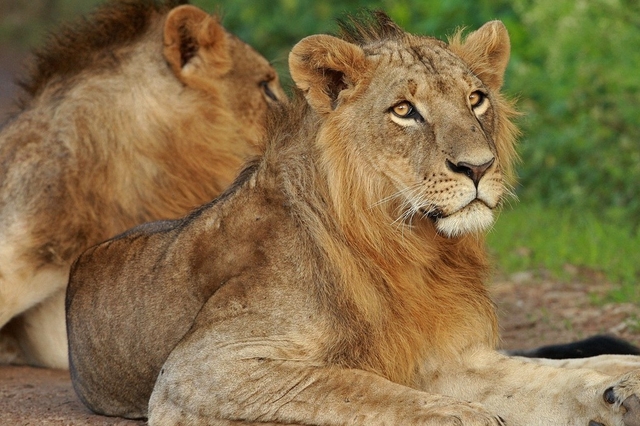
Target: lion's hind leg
41, 334
25, 276
37, 336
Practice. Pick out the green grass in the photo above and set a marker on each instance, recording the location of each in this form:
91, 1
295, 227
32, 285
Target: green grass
533, 237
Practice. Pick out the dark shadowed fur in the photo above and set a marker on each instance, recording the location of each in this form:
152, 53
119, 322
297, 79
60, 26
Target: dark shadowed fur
90, 41
368, 28
592, 346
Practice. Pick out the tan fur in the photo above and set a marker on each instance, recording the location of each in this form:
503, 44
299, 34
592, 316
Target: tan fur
140, 113
340, 280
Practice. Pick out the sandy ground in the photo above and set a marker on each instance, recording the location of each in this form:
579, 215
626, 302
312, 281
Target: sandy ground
533, 311
536, 311
35, 396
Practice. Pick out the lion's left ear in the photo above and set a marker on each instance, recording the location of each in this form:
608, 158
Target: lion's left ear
196, 45
323, 66
486, 51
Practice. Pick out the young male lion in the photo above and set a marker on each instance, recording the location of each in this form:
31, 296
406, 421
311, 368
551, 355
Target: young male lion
340, 280
141, 113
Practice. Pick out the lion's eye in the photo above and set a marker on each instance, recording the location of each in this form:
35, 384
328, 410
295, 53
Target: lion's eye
476, 99
267, 91
405, 109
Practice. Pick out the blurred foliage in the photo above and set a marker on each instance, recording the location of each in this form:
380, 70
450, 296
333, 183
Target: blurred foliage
25, 23
579, 82
547, 239
574, 69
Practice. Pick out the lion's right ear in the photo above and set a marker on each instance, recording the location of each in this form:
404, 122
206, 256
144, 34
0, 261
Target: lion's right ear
486, 50
196, 46
323, 67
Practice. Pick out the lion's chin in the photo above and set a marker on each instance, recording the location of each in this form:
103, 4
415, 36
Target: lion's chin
473, 218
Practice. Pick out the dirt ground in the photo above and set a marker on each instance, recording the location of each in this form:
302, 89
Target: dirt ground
533, 311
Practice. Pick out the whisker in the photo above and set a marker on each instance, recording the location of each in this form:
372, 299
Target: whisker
412, 203
510, 197
405, 215
397, 194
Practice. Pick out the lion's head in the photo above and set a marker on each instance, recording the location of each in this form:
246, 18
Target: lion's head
438, 136
204, 56
158, 107
415, 149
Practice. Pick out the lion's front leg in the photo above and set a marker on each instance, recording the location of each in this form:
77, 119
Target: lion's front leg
245, 361
196, 388
526, 393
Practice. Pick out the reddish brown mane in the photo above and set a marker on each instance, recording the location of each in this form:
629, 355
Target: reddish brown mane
89, 42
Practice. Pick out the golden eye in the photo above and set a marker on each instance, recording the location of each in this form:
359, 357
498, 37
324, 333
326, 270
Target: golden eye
476, 98
403, 109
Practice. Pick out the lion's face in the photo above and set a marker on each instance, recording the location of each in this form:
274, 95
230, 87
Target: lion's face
420, 121
430, 131
233, 76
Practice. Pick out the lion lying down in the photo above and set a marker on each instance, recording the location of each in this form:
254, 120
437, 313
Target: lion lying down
143, 112
340, 279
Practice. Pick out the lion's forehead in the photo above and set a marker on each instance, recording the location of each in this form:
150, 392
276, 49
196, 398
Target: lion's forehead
426, 58
426, 69
247, 61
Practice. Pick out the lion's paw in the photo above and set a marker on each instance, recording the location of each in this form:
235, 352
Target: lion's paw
623, 396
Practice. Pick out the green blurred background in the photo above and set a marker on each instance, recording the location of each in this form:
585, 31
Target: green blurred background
575, 70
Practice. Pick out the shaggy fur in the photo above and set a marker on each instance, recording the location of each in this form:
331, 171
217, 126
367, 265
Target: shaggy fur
142, 112
340, 280
91, 43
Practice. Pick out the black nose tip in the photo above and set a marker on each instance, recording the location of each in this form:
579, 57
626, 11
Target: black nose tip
475, 172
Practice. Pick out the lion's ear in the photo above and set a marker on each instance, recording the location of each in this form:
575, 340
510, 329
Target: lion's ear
195, 45
323, 66
487, 51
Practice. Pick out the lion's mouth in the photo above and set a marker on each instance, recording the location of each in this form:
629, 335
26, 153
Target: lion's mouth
433, 214
474, 217
436, 213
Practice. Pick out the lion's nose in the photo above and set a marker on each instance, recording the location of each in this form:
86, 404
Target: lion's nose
472, 171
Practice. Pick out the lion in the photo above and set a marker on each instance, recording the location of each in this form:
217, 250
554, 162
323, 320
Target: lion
340, 279
141, 113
